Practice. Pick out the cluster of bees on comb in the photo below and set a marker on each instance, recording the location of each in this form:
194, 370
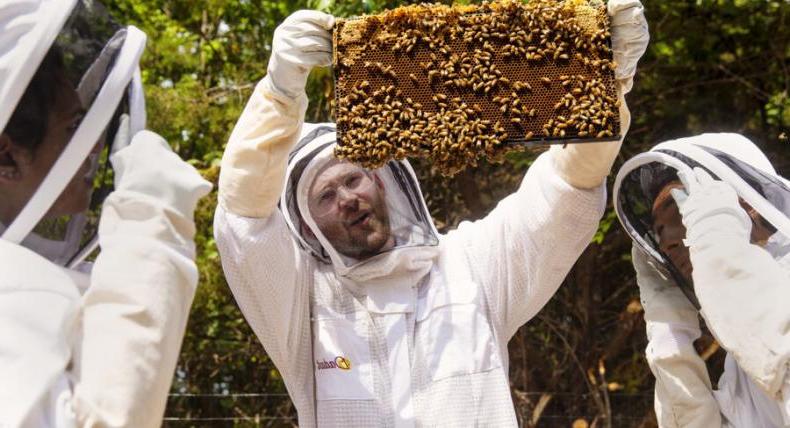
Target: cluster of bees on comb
455, 84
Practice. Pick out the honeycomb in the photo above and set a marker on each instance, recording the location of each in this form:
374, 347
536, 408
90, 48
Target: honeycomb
457, 83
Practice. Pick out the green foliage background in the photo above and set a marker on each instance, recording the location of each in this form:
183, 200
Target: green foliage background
712, 65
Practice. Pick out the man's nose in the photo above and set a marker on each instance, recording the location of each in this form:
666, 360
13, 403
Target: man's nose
673, 244
347, 199
668, 245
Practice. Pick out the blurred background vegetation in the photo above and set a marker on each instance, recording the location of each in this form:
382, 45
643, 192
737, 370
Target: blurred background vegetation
712, 65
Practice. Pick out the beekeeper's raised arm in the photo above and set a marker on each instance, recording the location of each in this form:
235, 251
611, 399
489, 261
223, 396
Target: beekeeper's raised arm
563, 187
263, 264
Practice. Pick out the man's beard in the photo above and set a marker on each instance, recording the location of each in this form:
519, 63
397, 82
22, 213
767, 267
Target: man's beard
362, 247
370, 241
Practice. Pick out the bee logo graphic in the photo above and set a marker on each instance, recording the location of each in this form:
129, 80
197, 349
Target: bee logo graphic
343, 363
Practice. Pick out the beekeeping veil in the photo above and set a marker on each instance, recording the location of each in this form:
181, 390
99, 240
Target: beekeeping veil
415, 236
731, 158
97, 64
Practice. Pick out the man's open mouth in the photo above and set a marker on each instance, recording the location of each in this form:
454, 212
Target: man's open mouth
362, 219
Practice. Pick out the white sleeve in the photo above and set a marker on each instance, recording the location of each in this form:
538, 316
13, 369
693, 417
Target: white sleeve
683, 394
743, 292
255, 159
265, 269
262, 262
523, 249
743, 403
135, 312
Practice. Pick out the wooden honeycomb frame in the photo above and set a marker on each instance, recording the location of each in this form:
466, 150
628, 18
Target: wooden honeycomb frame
456, 83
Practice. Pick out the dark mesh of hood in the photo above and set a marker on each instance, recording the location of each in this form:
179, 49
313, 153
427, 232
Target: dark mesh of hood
291, 208
296, 173
639, 188
306, 139
638, 192
770, 187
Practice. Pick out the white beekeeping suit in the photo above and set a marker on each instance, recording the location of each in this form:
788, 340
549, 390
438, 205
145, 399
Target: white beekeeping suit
86, 343
417, 334
739, 281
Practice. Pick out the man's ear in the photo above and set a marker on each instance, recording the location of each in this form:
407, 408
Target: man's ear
9, 160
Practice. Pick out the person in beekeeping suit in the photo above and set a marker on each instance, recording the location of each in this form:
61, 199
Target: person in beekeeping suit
372, 317
86, 343
709, 219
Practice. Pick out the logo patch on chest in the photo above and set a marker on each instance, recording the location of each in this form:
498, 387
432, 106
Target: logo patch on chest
339, 362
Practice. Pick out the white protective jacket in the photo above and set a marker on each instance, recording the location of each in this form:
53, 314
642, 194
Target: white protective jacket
426, 343
741, 288
100, 349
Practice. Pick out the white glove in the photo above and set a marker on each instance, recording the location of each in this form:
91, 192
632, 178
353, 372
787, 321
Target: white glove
629, 39
149, 167
709, 208
662, 299
301, 42
586, 165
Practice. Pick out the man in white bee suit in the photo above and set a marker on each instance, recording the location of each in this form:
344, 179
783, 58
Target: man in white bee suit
86, 343
371, 316
719, 245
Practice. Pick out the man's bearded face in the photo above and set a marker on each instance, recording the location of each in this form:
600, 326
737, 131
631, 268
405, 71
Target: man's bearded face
349, 207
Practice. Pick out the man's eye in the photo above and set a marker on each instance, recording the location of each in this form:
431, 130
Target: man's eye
326, 196
353, 181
